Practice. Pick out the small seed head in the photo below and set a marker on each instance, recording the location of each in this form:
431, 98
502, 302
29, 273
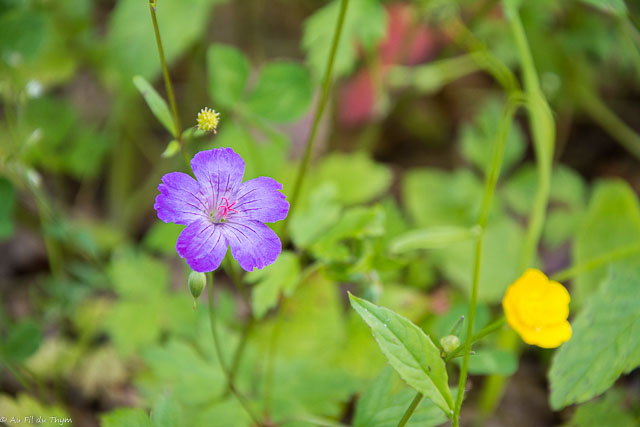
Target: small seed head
449, 343
208, 120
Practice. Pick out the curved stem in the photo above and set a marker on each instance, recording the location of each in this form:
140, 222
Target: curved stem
412, 407
326, 85
165, 73
216, 343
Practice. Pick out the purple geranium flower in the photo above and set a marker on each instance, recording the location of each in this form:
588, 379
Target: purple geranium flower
220, 210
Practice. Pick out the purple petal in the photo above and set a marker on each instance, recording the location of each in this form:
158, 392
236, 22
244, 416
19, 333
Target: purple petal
219, 173
253, 244
260, 199
203, 245
180, 199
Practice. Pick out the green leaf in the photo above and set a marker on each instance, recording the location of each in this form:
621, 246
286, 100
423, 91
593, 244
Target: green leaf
134, 325
477, 138
156, 103
162, 237
130, 44
435, 198
606, 411
125, 417
311, 222
21, 342
16, 44
499, 266
173, 148
166, 412
7, 202
357, 177
281, 276
605, 341
431, 238
492, 362
380, 407
365, 24
409, 350
228, 71
283, 92
137, 275
612, 221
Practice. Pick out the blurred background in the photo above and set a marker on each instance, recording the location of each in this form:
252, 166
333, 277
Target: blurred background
417, 95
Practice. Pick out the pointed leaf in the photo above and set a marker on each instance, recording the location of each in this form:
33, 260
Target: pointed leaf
409, 350
156, 103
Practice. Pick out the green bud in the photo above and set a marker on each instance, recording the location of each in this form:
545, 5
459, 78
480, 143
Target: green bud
449, 343
197, 282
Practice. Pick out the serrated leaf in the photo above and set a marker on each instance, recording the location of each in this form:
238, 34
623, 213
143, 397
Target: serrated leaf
283, 92
431, 238
612, 221
156, 103
228, 71
280, 277
409, 350
605, 341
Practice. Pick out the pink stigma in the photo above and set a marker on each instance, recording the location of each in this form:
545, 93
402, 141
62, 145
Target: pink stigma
226, 208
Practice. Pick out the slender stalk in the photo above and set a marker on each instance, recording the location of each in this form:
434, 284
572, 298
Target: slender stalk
490, 328
412, 407
165, 73
326, 85
271, 360
237, 356
216, 342
596, 262
487, 198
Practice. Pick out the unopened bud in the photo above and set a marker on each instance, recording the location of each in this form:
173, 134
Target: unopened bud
449, 343
197, 282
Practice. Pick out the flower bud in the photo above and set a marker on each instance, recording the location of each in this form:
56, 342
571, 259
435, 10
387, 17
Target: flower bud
449, 343
197, 282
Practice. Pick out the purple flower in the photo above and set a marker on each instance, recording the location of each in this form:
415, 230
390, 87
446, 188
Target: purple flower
220, 210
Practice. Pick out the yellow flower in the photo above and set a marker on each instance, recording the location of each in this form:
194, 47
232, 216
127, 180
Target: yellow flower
537, 308
208, 120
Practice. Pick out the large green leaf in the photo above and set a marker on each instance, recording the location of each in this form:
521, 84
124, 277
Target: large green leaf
228, 70
166, 412
606, 411
283, 92
605, 341
156, 103
409, 350
125, 417
365, 23
612, 222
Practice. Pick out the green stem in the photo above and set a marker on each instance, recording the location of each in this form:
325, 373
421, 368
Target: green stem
609, 121
165, 73
216, 342
594, 263
271, 360
326, 85
412, 407
487, 198
489, 329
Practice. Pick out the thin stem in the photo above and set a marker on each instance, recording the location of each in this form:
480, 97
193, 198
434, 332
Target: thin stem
596, 262
237, 356
216, 342
490, 328
326, 85
271, 360
412, 407
490, 185
165, 73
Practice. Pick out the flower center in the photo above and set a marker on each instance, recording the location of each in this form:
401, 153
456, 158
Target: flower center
221, 214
